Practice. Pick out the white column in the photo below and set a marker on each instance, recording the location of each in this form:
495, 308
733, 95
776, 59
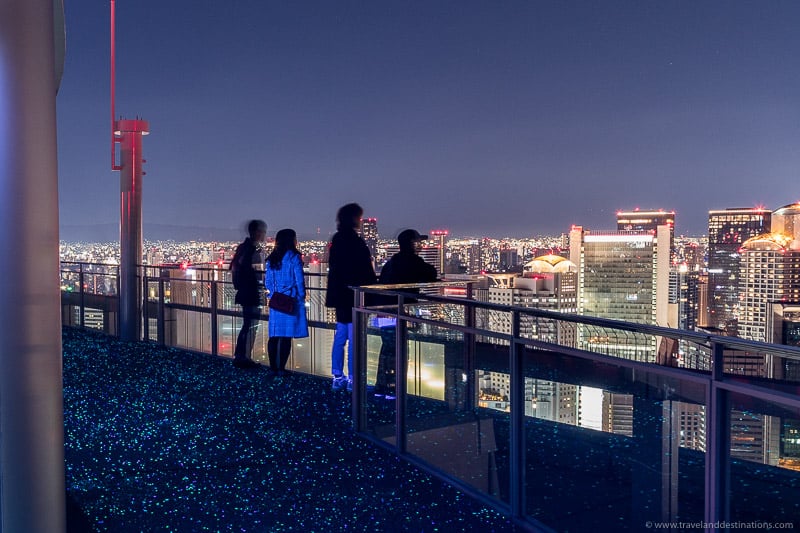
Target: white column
31, 412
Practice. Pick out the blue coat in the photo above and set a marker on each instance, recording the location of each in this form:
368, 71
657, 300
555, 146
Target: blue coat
288, 280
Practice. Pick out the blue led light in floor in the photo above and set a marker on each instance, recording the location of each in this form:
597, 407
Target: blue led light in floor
158, 439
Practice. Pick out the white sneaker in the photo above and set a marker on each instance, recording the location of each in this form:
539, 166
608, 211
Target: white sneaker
339, 382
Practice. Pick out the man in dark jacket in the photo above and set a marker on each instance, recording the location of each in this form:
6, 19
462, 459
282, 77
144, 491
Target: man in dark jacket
349, 264
406, 266
247, 269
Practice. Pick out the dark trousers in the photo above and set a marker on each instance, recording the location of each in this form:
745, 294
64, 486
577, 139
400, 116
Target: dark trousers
384, 380
247, 335
278, 349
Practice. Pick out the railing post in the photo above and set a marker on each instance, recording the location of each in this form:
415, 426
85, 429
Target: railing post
214, 318
82, 295
359, 364
145, 306
517, 451
160, 313
471, 393
717, 472
401, 376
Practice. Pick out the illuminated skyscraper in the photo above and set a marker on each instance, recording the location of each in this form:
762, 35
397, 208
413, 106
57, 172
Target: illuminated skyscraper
769, 271
369, 232
438, 237
644, 220
623, 275
728, 229
637, 220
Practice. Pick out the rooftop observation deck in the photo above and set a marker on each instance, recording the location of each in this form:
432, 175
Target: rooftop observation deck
492, 428
160, 439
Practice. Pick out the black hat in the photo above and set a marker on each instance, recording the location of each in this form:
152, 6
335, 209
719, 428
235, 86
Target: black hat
410, 236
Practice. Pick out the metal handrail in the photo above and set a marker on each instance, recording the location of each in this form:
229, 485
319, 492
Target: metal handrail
718, 385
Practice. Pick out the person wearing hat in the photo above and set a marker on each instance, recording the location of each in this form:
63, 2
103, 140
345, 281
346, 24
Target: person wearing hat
406, 266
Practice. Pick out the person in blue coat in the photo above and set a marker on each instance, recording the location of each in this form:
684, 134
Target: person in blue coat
284, 274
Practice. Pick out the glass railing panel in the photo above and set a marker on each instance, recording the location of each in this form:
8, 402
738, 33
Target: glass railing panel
445, 424
227, 332
380, 408
92, 318
190, 330
621, 446
312, 355
764, 461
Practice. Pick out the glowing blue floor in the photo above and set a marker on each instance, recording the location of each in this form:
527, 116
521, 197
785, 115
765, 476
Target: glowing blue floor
158, 439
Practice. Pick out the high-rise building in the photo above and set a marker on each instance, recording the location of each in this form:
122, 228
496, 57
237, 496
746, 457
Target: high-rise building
683, 297
769, 271
369, 232
728, 229
638, 220
549, 282
644, 220
623, 275
437, 239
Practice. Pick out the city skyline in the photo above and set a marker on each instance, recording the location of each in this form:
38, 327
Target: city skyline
504, 119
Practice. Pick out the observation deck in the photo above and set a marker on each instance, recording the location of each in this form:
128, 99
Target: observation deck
505, 418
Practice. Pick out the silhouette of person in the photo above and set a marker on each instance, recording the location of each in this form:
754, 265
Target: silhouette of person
406, 266
247, 267
349, 264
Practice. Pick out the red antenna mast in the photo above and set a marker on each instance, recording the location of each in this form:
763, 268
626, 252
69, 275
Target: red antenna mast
128, 133
114, 138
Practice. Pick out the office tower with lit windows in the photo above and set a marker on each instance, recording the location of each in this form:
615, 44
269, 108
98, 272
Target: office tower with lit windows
548, 282
437, 240
369, 232
769, 271
683, 297
623, 275
728, 229
644, 220
638, 220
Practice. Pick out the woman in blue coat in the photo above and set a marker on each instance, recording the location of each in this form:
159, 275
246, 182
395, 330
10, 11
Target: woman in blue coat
284, 274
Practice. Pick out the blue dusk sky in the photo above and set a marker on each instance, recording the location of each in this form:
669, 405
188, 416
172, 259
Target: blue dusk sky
498, 118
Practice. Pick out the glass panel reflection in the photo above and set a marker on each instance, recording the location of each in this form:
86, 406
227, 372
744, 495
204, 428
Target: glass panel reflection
764, 461
445, 426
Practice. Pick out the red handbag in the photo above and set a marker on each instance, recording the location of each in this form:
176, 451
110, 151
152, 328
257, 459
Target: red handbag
282, 302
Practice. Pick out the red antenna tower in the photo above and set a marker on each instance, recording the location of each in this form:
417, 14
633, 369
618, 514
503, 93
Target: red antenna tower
128, 133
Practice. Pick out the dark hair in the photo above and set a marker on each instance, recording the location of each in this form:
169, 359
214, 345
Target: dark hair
348, 216
285, 240
254, 226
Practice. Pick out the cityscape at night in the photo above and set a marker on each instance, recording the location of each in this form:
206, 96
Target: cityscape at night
519, 266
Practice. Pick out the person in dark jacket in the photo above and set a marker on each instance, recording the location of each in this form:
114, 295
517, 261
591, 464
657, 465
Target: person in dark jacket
406, 266
349, 264
247, 269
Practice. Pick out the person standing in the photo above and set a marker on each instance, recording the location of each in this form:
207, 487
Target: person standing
247, 269
284, 274
349, 264
406, 266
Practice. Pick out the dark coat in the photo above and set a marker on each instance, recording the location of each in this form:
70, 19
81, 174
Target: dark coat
407, 267
349, 264
404, 267
248, 282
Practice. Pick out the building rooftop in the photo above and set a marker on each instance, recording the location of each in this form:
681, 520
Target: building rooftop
159, 438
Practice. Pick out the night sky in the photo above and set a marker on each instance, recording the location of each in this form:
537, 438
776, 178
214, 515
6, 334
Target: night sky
497, 118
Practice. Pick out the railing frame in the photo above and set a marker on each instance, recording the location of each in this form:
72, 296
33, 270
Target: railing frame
717, 387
